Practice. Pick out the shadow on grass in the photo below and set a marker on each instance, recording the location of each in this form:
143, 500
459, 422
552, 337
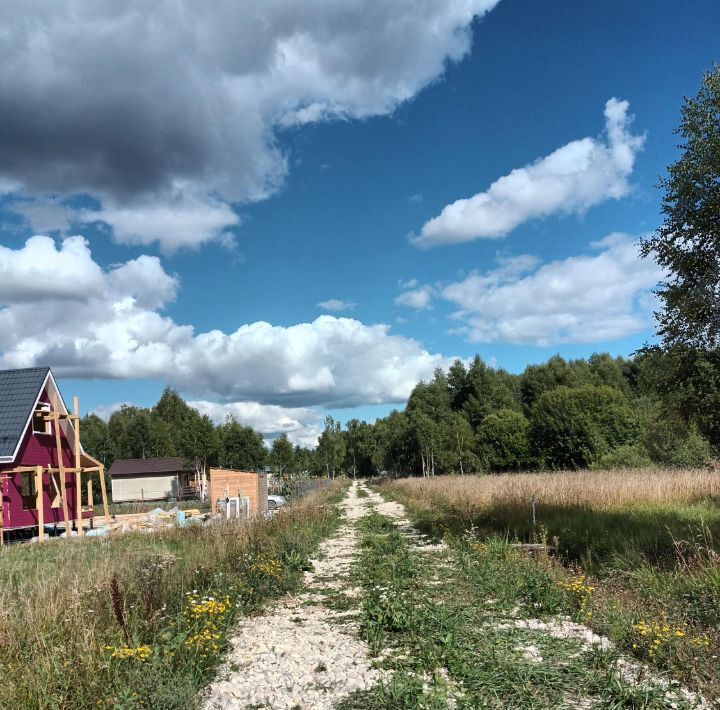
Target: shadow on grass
591, 536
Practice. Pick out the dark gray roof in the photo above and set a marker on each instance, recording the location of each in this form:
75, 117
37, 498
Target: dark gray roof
137, 467
19, 389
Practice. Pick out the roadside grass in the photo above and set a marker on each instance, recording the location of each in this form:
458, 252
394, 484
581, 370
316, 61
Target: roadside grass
444, 621
142, 621
640, 551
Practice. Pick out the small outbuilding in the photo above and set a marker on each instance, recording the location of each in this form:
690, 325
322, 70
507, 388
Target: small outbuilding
153, 479
237, 491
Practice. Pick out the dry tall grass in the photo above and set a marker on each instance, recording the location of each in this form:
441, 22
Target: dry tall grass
591, 489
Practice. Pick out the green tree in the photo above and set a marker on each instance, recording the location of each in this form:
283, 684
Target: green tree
160, 440
199, 440
180, 418
572, 427
607, 370
96, 439
304, 459
426, 437
241, 447
360, 444
556, 372
282, 455
395, 447
459, 386
687, 245
331, 447
503, 441
458, 445
670, 441
683, 383
130, 430
489, 390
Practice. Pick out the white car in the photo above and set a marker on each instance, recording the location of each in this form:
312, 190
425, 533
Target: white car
275, 502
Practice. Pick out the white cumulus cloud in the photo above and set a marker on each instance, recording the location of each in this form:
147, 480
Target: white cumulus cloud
60, 308
173, 221
581, 299
573, 178
419, 298
41, 271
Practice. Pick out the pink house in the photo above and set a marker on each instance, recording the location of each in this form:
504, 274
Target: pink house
45, 475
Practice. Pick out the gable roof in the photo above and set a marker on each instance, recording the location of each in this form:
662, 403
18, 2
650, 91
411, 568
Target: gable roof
137, 467
19, 392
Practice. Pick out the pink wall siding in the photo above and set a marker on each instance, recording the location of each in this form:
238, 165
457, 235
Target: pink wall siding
37, 450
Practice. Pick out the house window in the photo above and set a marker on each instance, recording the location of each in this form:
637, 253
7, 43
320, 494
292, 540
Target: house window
39, 424
28, 491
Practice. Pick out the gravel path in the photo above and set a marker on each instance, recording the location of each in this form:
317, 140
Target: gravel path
301, 654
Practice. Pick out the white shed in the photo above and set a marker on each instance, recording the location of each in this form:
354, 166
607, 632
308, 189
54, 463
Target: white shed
151, 479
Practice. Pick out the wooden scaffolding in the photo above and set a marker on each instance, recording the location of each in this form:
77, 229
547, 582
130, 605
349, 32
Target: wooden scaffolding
84, 464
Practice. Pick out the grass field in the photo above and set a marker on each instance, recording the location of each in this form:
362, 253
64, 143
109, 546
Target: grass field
141, 621
636, 553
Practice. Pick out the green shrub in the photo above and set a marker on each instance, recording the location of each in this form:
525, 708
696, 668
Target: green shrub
503, 441
572, 427
671, 442
628, 456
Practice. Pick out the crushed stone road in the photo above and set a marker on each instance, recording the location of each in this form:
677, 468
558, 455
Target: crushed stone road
300, 653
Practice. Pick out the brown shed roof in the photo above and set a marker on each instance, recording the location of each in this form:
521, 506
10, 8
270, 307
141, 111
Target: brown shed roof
138, 467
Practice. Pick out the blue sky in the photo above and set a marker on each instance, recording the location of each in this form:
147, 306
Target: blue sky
213, 207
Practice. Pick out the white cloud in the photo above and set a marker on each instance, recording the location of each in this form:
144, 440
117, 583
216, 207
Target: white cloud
418, 298
303, 425
63, 310
335, 304
581, 299
40, 271
183, 219
45, 213
145, 280
132, 102
573, 178
105, 411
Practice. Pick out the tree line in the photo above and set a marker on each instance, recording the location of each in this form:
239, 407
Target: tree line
173, 428
658, 408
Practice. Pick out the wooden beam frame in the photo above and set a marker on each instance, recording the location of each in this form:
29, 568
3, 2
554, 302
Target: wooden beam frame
78, 471
103, 490
53, 469
61, 471
40, 502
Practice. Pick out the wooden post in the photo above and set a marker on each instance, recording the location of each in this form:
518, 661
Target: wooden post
89, 494
78, 470
78, 503
61, 470
40, 502
106, 511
